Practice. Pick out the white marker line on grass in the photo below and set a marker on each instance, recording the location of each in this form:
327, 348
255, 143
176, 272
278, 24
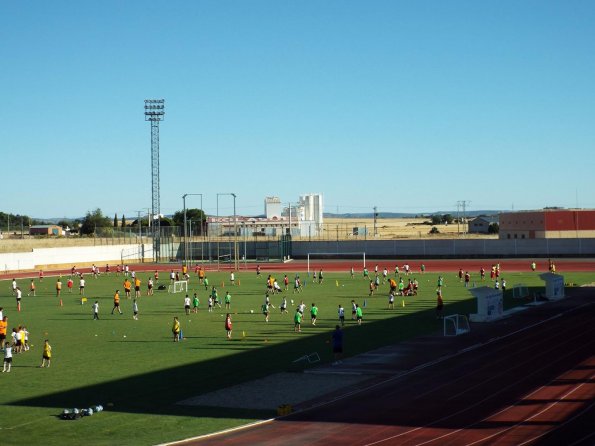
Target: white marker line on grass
213, 434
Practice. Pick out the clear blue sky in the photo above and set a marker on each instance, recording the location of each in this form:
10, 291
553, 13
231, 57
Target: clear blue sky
410, 106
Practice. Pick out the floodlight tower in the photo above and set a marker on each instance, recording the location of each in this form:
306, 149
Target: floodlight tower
154, 112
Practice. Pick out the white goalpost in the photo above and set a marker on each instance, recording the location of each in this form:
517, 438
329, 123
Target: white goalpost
179, 286
338, 255
456, 324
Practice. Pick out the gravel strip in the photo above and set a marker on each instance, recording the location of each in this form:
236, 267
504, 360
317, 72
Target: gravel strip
276, 390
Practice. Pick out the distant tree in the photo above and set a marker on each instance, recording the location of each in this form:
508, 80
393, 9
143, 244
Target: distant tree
164, 221
494, 228
447, 218
436, 219
144, 222
65, 223
196, 215
93, 221
434, 230
15, 220
123, 221
115, 220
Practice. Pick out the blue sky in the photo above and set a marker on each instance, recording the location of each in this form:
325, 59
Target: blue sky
409, 106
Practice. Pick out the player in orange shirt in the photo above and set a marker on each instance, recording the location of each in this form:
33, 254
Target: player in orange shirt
117, 302
127, 286
3, 328
31, 288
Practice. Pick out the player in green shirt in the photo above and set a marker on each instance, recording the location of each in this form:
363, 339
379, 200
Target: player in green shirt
314, 313
359, 314
265, 311
227, 300
297, 319
195, 303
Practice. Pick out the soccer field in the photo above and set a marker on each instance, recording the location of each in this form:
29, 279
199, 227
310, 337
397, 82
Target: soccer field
137, 373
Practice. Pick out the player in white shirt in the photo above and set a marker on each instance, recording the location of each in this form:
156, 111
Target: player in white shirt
341, 312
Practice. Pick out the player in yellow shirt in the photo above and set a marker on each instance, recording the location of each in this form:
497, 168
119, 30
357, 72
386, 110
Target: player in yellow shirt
175, 329
47, 354
136, 287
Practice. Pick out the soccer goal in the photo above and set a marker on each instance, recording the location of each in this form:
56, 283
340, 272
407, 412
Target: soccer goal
456, 324
179, 286
520, 291
357, 256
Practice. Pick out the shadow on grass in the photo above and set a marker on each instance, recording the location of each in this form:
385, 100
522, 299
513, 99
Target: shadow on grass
156, 392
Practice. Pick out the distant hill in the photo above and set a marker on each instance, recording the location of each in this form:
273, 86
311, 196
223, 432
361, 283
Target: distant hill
469, 214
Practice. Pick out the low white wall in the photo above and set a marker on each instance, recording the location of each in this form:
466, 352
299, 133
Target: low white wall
71, 256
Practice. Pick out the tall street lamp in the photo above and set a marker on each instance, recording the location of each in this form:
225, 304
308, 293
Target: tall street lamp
185, 225
235, 255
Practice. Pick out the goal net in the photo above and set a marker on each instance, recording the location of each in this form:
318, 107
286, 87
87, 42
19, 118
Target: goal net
359, 258
456, 324
179, 286
520, 291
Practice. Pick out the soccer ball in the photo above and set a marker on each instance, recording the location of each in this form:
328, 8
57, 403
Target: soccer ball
251, 311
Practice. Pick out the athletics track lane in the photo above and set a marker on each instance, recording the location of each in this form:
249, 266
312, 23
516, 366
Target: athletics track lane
335, 265
536, 386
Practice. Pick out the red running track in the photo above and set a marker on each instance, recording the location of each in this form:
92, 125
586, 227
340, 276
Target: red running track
334, 265
533, 385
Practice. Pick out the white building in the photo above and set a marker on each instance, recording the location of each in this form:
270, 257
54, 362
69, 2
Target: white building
302, 219
313, 209
272, 207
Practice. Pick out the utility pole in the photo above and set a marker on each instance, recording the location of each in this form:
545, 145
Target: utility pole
458, 219
375, 221
140, 231
462, 204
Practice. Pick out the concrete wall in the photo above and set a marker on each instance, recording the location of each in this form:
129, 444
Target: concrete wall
86, 255
454, 248
83, 255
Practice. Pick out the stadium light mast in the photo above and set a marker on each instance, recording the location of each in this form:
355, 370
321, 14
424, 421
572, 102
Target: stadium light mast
155, 112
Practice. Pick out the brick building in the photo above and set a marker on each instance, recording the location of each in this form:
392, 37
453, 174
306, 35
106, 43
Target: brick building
548, 223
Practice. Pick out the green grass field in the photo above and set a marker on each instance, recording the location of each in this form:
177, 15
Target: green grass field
135, 370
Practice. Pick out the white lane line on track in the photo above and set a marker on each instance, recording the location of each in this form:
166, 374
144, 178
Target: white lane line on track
373, 386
